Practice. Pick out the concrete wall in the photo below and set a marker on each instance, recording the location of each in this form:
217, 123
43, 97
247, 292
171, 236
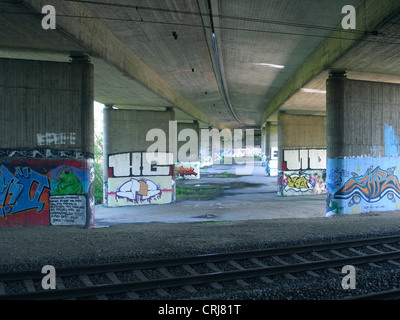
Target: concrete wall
302, 154
363, 146
46, 143
138, 171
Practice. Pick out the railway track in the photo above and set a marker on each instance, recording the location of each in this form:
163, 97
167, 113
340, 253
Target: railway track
393, 294
134, 280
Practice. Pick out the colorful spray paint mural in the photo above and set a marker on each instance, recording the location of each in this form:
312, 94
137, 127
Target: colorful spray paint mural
42, 191
295, 183
140, 178
303, 172
304, 159
363, 184
189, 170
21, 190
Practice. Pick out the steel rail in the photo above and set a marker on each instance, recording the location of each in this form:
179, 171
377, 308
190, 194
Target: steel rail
199, 259
200, 279
393, 294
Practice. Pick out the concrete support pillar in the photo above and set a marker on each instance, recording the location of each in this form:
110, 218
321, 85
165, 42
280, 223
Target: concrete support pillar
206, 150
264, 139
272, 142
302, 154
269, 147
188, 160
46, 143
257, 139
139, 156
362, 146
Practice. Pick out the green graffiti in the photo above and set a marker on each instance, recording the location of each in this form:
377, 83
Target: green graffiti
333, 208
68, 183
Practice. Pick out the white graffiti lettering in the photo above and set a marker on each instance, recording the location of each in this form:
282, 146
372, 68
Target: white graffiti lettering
140, 164
305, 159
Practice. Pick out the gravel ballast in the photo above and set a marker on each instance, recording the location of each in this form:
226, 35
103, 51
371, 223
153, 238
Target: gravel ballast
34, 247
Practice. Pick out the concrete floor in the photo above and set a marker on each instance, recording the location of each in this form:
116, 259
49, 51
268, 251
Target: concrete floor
257, 199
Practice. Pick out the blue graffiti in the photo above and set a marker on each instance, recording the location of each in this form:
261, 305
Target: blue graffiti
336, 178
391, 142
21, 191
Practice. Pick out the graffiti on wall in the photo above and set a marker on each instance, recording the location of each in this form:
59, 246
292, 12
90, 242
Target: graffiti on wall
301, 183
68, 210
44, 154
66, 182
140, 164
190, 170
363, 190
138, 190
371, 187
21, 190
136, 178
362, 185
43, 191
304, 159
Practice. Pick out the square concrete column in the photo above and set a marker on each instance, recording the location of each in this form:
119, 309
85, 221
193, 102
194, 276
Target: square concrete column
269, 148
139, 157
188, 159
302, 154
46, 143
362, 146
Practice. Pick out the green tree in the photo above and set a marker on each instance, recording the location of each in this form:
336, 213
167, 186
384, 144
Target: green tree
98, 167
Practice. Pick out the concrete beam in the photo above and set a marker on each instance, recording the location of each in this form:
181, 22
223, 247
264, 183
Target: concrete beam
370, 15
101, 43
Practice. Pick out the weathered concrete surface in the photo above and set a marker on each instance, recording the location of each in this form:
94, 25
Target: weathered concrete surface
127, 129
357, 112
46, 105
362, 146
46, 143
301, 131
138, 62
269, 138
371, 13
100, 41
297, 132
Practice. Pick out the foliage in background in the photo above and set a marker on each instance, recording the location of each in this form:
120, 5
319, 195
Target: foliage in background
98, 167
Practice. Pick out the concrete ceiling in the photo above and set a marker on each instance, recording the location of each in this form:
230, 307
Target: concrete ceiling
157, 53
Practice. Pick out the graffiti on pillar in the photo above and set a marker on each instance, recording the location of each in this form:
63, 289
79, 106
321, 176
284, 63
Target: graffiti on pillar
46, 191
301, 183
140, 164
362, 185
136, 178
336, 176
21, 190
67, 182
372, 186
189, 170
138, 191
67, 209
304, 159
69, 196
51, 139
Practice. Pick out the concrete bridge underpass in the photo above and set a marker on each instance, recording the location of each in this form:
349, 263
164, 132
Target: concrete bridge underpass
313, 87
